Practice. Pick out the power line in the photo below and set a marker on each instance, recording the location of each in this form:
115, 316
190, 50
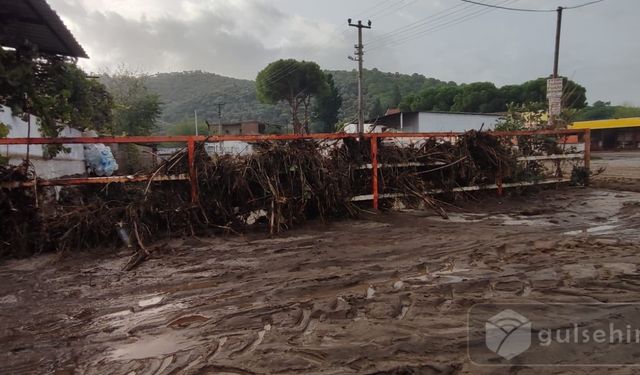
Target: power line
584, 5
530, 10
287, 69
418, 24
389, 6
377, 5
436, 23
433, 28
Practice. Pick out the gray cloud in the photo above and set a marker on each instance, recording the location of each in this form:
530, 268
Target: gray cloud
239, 37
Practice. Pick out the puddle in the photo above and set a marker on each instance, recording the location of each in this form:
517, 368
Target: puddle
185, 321
442, 277
460, 218
8, 299
600, 229
148, 347
150, 301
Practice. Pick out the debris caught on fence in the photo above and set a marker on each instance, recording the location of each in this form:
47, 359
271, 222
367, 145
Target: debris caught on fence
277, 186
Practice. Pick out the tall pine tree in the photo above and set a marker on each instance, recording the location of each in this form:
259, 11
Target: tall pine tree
327, 108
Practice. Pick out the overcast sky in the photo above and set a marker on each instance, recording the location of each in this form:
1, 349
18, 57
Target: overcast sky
444, 39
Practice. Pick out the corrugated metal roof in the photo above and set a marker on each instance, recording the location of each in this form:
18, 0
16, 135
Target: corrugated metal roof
36, 22
631, 122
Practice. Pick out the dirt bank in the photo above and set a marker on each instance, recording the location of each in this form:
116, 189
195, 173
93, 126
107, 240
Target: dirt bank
386, 293
621, 170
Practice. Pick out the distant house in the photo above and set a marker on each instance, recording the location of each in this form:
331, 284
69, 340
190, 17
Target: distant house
623, 133
426, 122
242, 128
64, 164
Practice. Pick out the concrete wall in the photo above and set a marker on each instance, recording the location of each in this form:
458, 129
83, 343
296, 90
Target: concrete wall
455, 122
64, 164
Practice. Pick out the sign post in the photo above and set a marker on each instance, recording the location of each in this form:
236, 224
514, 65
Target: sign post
554, 95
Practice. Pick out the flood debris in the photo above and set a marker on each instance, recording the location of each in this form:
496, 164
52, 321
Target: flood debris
287, 182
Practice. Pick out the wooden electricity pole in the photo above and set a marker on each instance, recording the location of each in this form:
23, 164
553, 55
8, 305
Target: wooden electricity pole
219, 117
359, 58
555, 98
556, 56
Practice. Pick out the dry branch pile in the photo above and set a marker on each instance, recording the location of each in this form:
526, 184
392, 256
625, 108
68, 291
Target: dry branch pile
277, 186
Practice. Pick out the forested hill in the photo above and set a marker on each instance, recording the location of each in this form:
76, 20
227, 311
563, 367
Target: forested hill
184, 92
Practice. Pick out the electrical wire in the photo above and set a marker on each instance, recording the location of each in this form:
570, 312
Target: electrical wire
531, 10
446, 17
286, 70
439, 26
417, 24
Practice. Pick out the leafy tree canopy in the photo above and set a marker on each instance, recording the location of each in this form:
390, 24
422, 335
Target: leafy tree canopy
294, 82
376, 109
136, 111
54, 89
327, 108
604, 110
485, 97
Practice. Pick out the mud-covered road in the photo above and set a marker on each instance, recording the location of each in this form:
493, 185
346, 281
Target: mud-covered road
389, 292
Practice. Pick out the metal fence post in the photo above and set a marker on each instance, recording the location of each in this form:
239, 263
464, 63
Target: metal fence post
374, 170
193, 176
587, 148
499, 180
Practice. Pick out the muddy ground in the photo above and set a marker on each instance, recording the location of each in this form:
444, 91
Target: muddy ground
620, 170
387, 293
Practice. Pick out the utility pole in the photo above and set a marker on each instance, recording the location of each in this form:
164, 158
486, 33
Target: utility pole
219, 117
554, 85
556, 57
220, 104
359, 58
195, 113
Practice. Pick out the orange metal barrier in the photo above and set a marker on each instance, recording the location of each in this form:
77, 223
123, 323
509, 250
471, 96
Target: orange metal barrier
191, 140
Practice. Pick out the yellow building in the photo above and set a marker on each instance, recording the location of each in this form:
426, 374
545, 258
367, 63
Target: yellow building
611, 134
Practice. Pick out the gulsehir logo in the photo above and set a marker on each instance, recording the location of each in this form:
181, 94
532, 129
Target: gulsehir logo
508, 334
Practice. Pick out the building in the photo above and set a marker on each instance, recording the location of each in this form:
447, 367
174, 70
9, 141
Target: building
428, 122
242, 128
34, 21
612, 134
65, 163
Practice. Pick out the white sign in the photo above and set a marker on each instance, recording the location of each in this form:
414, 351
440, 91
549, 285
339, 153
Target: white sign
555, 106
554, 87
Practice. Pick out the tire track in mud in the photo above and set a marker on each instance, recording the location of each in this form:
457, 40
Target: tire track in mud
356, 297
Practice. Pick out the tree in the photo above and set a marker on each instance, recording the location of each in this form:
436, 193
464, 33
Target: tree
604, 110
294, 82
136, 110
188, 127
54, 89
396, 97
478, 97
327, 107
376, 109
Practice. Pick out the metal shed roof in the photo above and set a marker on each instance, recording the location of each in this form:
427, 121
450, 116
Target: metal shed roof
630, 122
36, 22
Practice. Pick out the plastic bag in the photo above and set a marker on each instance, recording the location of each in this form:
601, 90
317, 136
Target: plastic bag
100, 160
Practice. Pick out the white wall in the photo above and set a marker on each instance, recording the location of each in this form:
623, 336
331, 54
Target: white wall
63, 164
455, 122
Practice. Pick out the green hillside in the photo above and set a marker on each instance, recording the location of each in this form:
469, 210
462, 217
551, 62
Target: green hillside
184, 92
